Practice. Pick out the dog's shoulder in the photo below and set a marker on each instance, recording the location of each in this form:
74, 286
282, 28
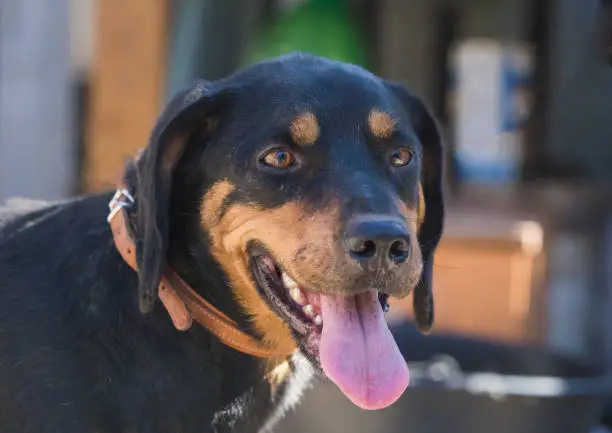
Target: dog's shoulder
53, 250
58, 260
20, 209
70, 303
20, 215
16, 206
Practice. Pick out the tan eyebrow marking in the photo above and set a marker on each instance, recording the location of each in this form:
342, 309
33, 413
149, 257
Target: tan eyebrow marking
305, 129
381, 124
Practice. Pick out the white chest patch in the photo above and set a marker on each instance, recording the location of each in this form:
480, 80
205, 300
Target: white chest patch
295, 385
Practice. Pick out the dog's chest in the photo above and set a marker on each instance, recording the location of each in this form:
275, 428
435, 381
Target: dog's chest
262, 407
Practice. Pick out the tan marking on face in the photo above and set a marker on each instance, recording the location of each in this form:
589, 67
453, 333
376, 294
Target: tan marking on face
412, 219
239, 221
286, 231
421, 206
303, 241
305, 129
275, 332
410, 216
381, 124
213, 200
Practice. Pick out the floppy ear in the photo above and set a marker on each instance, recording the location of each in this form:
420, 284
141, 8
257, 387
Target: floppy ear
431, 228
185, 114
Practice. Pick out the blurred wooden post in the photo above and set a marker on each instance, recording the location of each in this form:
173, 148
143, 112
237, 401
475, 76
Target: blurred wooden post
128, 82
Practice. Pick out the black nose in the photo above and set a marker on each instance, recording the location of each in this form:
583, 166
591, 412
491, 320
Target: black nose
378, 241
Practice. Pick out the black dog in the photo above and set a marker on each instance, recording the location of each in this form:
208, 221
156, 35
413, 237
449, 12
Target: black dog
294, 196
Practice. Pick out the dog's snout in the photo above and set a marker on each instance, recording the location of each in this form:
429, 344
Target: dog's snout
379, 242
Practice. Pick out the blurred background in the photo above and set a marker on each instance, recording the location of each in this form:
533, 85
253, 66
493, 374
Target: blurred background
523, 90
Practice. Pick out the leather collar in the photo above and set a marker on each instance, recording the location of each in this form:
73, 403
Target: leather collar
181, 302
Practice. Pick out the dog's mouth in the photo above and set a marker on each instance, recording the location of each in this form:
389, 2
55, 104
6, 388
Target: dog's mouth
346, 335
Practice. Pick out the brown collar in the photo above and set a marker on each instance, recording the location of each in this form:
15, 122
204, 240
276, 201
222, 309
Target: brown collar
181, 302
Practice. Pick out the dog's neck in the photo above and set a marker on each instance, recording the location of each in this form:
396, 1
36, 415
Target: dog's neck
194, 263
188, 253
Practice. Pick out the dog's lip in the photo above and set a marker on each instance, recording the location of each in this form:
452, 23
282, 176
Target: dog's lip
300, 305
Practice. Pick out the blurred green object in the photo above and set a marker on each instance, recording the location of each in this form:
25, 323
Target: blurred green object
320, 27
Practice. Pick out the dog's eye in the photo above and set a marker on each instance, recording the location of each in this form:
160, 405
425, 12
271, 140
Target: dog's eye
400, 157
279, 158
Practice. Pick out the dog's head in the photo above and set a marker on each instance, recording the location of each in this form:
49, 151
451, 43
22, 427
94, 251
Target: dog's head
317, 187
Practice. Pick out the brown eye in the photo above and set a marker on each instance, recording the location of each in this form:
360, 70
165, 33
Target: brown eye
281, 159
400, 157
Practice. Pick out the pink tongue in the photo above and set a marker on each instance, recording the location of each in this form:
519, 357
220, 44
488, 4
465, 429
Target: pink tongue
358, 352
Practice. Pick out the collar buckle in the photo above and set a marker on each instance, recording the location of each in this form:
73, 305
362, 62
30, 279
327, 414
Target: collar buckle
121, 199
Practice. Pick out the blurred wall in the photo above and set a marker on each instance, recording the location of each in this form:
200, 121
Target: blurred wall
408, 50
202, 44
37, 158
82, 26
579, 123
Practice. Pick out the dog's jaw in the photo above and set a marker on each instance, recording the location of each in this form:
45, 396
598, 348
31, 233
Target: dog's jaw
345, 336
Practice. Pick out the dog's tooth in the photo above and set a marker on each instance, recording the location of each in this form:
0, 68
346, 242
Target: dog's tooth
308, 310
318, 320
297, 295
288, 281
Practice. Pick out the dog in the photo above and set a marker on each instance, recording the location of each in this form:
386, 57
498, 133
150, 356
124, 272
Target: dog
253, 246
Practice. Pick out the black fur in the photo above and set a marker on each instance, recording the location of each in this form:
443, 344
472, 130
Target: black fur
77, 354
428, 132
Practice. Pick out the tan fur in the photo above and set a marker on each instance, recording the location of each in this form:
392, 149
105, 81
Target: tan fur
304, 242
277, 374
305, 129
274, 330
213, 200
301, 241
414, 221
421, 206
381, 124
